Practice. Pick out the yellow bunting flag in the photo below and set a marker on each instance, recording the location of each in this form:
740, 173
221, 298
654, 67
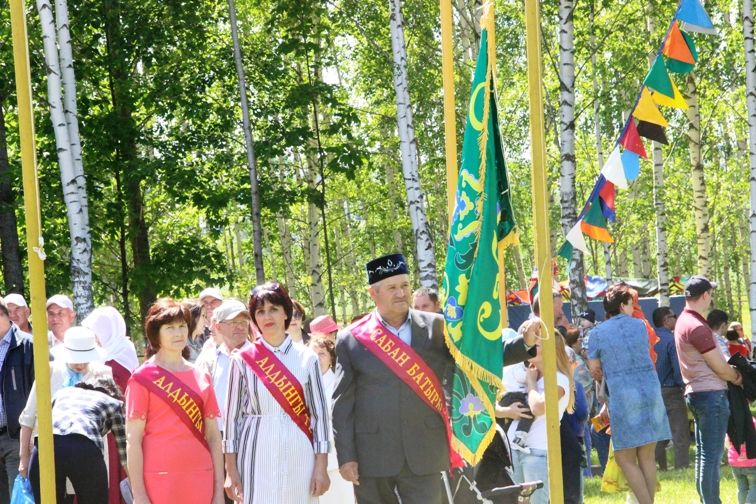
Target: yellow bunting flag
677, 102
646, 110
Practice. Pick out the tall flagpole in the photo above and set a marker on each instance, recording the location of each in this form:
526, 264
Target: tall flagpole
35, 249
450, 118
542, 246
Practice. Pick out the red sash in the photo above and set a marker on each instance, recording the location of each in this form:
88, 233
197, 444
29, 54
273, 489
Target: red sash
180, 397
280, 382
409, 367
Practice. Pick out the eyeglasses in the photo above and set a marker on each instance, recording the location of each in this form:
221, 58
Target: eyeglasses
296, 316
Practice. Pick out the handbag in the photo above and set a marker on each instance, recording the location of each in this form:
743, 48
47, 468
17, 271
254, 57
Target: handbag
22, 491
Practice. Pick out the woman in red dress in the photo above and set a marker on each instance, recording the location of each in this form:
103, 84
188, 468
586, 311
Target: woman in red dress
174, 445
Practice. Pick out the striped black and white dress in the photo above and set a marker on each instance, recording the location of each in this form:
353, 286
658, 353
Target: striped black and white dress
274, 457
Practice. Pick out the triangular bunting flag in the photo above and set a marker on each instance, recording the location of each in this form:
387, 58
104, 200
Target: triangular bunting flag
594, 223
677, 102
606, 198
646, 110
631, 164
613, 171
658, 79
681, 67
676, 48
631, 140
694, 18
652, 132
575, 240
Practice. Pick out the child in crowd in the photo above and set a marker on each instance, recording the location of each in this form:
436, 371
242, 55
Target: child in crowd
517, 392
744, 470
734, 344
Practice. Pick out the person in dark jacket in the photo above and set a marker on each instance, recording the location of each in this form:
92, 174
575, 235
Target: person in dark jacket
16, 378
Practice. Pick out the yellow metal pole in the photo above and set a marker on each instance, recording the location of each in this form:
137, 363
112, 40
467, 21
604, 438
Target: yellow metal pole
542, 246
450, 118
35, 251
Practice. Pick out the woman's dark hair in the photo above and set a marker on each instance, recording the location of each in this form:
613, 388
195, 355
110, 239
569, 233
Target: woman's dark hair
732, 335
103, 384
163, 311
616, 296
299, 308
273, 293
195, 314
327, 344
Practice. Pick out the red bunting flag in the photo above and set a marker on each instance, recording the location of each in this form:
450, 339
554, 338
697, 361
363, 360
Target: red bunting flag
632, 141
675, 47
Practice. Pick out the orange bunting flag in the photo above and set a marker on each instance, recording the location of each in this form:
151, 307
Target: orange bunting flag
677, 102
631, 140
646, 110
676, 48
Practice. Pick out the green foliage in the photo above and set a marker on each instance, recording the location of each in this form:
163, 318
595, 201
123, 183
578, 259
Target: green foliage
175, 66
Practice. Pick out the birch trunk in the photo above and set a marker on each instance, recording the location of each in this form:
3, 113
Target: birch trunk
286, 248
390, 179
13, 273
567, 146
76, 205
700, 206
662, 266
69, 99
750, 67
426, 259
250, 147
315, 264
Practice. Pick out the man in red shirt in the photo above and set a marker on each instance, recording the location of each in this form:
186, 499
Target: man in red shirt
705, 373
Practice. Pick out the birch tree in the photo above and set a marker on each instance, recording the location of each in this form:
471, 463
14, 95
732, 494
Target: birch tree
662, 265
700, 205
567, 147
250, 147
750, 69
426, 258
74, 187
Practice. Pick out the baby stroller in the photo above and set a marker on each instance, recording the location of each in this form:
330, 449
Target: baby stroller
491, 481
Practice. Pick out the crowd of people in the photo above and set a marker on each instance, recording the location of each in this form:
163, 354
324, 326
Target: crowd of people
246, 402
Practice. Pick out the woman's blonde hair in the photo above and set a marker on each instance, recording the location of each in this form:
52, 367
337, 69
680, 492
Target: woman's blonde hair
564, 367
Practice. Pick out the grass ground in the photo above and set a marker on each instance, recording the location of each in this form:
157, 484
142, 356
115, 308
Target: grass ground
677, 487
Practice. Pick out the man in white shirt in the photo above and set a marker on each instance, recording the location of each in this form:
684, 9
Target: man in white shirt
60, 317
231, 323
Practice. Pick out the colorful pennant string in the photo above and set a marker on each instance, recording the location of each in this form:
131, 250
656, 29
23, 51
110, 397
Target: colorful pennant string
677, 54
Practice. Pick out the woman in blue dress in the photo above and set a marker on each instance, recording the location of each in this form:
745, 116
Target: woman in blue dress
618, 349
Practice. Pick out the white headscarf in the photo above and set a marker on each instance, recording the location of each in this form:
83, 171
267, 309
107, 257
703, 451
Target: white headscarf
110, 329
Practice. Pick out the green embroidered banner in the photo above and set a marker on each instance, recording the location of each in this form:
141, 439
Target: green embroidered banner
482, 220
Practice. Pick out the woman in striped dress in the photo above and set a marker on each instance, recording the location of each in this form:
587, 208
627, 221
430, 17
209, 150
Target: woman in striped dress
269, 456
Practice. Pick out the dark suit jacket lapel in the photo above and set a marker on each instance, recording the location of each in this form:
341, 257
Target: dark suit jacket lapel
419, 332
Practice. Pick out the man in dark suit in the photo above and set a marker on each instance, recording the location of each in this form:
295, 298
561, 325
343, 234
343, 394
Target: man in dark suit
388, 440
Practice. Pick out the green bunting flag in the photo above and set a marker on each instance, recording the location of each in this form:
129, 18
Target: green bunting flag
658, 78
482, 221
